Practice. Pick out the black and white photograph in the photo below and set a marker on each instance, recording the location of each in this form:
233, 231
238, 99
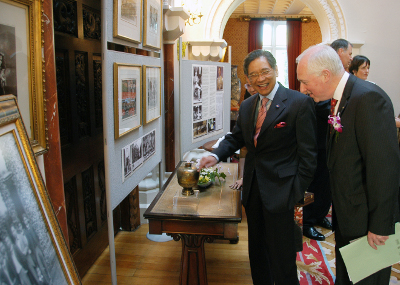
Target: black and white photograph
199, 129
211, 125
136, 153
197, 112
152, 93
153, 19
149, 144
197, 92
26, 252
127, 161
220, 78
152, 23
8, 71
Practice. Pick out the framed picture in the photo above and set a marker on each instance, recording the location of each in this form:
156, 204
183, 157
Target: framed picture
152, 23
32, 247
152, 93
128, 20
22, 66
127, 98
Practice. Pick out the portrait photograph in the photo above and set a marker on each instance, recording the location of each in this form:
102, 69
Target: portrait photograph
211, 125
152, 93
149, 144
32, 248
21, 68
127, 98
197, 83
220, 78
152, 23
126, 161
127, 24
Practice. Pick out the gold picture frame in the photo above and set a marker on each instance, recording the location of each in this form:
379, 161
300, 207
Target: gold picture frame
22, 67
128, 20
26, 212
152, 23
127, 98
152, 93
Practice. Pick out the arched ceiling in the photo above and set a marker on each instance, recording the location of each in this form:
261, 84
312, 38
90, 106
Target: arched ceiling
265, 8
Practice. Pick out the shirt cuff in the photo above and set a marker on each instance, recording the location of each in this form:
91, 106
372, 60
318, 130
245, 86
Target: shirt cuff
216, 156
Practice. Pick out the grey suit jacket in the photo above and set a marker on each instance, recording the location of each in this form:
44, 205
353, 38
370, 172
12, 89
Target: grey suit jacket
284, 160
364, 161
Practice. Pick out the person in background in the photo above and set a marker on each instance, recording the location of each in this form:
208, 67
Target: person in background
362, 155
278, 128
315, 213
345, 51
249, 91
360, 67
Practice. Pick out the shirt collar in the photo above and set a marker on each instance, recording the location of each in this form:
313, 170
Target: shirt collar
339, 89
271, 95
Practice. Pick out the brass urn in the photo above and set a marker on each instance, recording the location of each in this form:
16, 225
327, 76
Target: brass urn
188, 177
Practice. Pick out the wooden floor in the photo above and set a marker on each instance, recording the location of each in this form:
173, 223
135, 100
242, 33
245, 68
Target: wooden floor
145, 262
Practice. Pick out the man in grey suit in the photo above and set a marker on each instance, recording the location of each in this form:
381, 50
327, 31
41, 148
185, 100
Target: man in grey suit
363, 157
280, 163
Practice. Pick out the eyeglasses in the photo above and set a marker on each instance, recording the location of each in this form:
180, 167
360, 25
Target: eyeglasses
263, 73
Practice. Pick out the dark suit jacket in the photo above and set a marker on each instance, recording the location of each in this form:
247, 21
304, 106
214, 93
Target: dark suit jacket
285, 158
364, 161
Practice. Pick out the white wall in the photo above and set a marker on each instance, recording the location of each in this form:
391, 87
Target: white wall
376, 24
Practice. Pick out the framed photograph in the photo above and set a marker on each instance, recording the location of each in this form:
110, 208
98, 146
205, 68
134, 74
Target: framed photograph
127, 98
152, 93
21, 64
152, 23
32, 247
128, 20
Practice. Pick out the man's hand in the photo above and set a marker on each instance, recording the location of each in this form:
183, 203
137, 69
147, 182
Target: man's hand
207, 161
374, 240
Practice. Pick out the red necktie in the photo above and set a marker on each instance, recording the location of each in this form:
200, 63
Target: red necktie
260, 118
333, 105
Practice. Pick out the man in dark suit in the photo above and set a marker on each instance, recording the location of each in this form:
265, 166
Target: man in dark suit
280, 163
363, 155
315, 213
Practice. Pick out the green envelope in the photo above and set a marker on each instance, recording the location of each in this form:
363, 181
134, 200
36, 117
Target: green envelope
362, 260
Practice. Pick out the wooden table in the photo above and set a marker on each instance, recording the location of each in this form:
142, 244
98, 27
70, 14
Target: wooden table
209, 214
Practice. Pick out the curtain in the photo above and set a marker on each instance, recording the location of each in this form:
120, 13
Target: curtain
255, 34
293, 51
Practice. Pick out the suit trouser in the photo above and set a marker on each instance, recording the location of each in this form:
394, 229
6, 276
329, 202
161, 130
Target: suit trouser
272, 250
381, 277
316, 211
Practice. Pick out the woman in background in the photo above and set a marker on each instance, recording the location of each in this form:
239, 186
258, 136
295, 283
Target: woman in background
360, 66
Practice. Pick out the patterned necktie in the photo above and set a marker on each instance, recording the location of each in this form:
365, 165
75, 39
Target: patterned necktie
333, 105
260, 118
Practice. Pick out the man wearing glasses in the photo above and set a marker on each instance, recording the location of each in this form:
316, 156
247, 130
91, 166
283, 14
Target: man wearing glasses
278, 127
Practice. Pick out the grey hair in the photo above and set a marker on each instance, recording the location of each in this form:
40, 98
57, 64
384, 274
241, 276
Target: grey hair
322, 57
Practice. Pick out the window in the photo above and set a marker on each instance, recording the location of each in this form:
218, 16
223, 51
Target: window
274, 41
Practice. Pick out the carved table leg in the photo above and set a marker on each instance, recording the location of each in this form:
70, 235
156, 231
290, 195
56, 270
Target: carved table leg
193, 261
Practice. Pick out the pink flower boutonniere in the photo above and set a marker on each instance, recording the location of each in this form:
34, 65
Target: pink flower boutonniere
335, 122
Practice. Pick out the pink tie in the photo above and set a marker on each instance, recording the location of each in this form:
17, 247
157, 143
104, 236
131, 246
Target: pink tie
260, 119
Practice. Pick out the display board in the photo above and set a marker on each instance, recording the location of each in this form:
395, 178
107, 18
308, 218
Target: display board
205, 101
135, 153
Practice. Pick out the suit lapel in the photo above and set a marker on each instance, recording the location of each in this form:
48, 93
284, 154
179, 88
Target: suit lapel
252, 115
277, 107
341, 110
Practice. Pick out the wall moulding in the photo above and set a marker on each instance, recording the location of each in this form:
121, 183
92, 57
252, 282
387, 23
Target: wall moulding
174, 23
206, 50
